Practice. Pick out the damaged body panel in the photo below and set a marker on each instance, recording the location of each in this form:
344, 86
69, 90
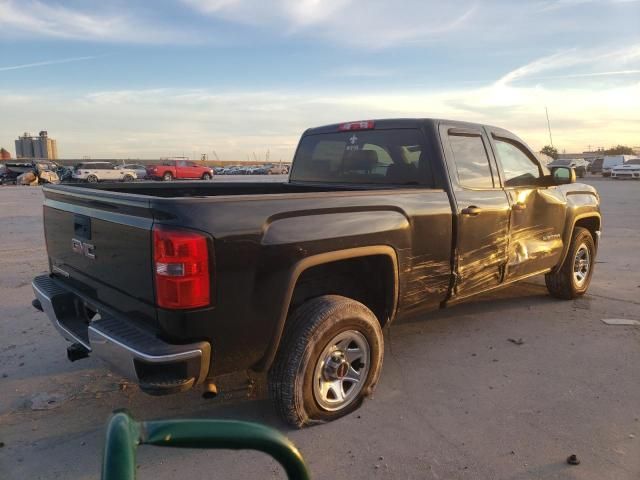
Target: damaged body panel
400, 215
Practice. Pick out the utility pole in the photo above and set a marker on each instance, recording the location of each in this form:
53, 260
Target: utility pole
549, 126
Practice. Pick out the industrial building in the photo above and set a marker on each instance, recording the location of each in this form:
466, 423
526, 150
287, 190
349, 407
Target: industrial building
36, 147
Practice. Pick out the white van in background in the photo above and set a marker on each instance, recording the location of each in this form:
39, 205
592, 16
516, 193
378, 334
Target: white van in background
611, 161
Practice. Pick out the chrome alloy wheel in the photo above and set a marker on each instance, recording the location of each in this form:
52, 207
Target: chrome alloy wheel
581, 265
341, 370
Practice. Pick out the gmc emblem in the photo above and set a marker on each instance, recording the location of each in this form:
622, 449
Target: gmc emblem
82, 248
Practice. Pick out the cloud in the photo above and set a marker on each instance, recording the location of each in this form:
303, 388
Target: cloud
374, 24
161, 122
46, 63
551, 5
568, 60
36, 18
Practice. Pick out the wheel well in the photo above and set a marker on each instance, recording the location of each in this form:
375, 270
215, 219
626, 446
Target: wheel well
592, 224
370, 280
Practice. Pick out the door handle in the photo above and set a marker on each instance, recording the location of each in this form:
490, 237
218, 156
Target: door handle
519, 207
472, 211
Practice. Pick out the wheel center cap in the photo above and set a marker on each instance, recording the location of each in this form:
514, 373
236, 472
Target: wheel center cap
342, 370
336, 367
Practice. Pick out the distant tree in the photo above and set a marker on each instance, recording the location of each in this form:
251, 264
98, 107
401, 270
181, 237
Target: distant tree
619, 150
551, 151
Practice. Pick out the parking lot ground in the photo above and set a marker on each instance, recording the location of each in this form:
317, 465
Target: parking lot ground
457, 399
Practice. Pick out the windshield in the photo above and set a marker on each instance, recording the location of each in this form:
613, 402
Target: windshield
363, 157
561, 162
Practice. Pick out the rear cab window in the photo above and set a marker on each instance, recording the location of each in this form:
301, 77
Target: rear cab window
384, 156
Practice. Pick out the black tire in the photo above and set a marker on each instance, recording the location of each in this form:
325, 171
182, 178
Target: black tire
167, 177
310, 329
128, 178
92, 179
206, 176
562, 283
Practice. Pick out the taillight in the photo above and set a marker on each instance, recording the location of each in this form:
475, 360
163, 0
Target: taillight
181, 264
363, 125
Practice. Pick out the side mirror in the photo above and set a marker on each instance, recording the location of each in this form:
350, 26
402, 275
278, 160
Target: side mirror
563, 175
559, 176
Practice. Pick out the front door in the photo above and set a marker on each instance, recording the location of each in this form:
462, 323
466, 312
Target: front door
537, 213
481, 208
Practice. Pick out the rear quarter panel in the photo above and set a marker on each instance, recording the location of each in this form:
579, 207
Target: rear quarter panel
259, 241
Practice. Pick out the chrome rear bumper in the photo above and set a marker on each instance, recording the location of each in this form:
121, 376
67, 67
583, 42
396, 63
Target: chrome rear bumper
131, 350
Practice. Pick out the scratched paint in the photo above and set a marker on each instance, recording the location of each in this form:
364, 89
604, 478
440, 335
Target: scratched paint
426, 279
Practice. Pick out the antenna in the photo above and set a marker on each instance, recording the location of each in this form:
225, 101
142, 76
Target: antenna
549, 126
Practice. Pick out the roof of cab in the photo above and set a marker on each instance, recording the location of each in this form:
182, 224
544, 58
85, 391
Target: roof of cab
388, 123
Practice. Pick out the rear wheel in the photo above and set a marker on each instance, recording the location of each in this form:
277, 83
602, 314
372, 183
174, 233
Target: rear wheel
92, 179
329, 360
167, 177
572, 279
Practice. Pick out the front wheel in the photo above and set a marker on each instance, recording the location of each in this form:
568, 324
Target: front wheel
206, 176
128, 178
572, 279
329, 360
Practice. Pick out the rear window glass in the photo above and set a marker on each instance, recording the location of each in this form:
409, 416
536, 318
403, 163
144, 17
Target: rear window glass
363, 156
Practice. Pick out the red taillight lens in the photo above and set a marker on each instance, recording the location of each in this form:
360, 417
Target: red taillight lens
363, 125
181, 264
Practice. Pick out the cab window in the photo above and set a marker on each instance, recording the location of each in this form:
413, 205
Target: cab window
519, 169
471, 160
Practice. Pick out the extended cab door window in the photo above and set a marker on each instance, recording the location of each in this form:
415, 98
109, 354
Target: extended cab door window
471, 161
537, 213
482, 210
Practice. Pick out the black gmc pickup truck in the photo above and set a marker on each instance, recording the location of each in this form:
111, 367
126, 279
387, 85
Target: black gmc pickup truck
175, 284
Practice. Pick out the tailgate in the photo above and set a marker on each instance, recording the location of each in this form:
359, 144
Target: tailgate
99, 243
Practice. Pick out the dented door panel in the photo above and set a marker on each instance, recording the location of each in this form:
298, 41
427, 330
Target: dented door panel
535, 236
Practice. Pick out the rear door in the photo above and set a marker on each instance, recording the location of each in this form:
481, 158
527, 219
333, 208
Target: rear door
481, 209
537, 214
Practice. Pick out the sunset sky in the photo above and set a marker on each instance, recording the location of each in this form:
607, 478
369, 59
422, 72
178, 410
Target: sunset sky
148, 79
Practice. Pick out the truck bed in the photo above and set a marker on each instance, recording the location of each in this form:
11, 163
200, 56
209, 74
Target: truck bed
213, 189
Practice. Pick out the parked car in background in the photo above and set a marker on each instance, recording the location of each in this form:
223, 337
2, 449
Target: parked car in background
578, 164
596, 165
629, 169
94, 172
141, 170
277, 169
611, 161
179, 170
44, 170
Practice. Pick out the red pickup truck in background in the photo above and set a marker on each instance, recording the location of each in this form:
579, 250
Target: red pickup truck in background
179, 169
